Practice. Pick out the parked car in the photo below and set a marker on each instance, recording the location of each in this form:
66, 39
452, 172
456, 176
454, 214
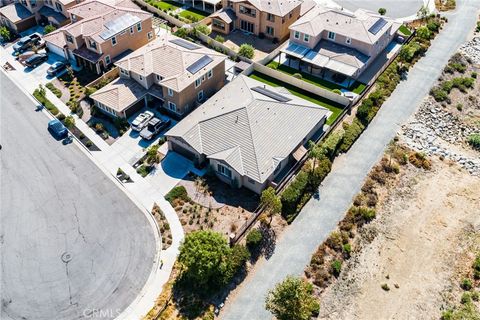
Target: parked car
36, 59
141, 120
57, 129
26, 42
56, 68
153, 127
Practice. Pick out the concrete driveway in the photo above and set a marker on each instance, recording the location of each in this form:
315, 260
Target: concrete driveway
395, 8
73, 246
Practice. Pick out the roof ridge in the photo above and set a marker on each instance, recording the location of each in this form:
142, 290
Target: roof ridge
252, 139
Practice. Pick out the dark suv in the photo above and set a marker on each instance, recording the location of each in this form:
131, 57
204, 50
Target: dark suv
36, 59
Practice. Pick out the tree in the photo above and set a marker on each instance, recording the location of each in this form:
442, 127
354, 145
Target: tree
423, 12
69, 122
246, 50
254, 239
208, 261
292, 299
271, 202
382, 11
182, 33
5, 33
49, 28
424, 33
152, 153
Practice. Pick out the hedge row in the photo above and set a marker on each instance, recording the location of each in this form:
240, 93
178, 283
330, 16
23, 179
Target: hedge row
45, 102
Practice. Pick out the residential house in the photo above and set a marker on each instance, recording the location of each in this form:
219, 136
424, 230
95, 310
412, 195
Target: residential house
260, 17
100, 34
169, 72
337, 43
248, 133
22, 15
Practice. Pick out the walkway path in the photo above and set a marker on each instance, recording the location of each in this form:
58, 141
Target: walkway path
320, 216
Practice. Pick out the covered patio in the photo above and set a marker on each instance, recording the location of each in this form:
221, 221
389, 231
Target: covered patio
209, 6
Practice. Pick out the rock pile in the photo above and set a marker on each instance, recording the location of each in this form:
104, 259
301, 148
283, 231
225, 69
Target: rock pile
472, 49
434, 131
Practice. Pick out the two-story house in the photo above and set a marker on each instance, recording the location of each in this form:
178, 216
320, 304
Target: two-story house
171, 72
24, 14
260, 17
336, 42
100, 33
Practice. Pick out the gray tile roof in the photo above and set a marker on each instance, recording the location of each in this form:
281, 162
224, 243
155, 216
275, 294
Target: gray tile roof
248, 130
276, 7
15, 12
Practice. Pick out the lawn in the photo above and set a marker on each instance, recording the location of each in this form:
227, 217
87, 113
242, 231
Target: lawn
193, 14
403, 29
335, 108
164, 5
356, 87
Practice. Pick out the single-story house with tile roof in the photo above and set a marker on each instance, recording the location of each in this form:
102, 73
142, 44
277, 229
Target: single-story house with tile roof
16, 17
248, 132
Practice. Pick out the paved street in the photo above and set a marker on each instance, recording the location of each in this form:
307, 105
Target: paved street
320, 216
73, 246
395, 8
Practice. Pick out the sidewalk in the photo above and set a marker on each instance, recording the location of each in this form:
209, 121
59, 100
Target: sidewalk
141, 191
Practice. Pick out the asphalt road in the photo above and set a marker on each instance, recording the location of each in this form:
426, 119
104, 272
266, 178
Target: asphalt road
73, 246
395, 8
320, 216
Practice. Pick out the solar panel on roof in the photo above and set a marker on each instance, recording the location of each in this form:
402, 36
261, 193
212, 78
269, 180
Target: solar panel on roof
119, 24
377, 26
271, 94
199, 64
185, 44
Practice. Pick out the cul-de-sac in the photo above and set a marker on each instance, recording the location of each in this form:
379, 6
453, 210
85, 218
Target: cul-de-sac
239, 159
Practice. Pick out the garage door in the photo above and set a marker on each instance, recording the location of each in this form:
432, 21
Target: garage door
56, 50
133, 109
184, 152
26, 24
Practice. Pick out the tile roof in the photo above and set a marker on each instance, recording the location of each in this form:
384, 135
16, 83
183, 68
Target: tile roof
120, 94
49, 12
15, 12
170, 61
227, 15
275, 7
354, 25
248, 130
91, 8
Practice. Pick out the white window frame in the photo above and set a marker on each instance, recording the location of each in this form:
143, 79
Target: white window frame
296, 34
306, 37
331, 35
198, 82
221, 169
159, 78
210, 73
348, 40
125, 72
140, 77
107, 57
200, 95
170, 92
171, 106
150, 35
139, 27
114, 41
131, 30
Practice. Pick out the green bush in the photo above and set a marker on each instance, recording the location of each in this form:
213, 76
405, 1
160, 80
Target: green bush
61, 116
466, 284
5, 33
143, 170
219, 38
330, 145
49, 28
292, 195
474, 141
366, 213
254, 239
39, 94
337, 91
347, 248
336, 266
409, 51
54, 89
178, 192
466, 298
297, 75
424, 33
352, 132
246, 50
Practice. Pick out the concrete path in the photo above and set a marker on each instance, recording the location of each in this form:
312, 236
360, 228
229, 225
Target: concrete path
320, 216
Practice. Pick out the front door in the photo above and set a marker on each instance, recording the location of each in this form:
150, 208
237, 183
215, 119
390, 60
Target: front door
247, 26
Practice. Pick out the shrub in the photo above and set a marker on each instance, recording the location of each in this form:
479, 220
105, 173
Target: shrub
178, 192
385, 287
330, 145
246, 50
88, 144
335, 241
337, 91
366, 213
293, 193
474, 141
352, 132
439, 94
466, 284
475, 296
49, 28
382, 11
254, 239
474, 75
297, 75
219, 38
347, 248
424, 33
54, 89
69, 122
466, 298
5, 33
143, 170
409, 51
61, 116
336, 266
203, 29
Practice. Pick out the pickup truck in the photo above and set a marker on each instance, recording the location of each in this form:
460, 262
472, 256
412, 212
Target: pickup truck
153, 127
141, 120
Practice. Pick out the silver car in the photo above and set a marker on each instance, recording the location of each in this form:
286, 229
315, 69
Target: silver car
141, 120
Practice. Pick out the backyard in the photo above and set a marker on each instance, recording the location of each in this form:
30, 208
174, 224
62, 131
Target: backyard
356, 87
176, 9
333, 107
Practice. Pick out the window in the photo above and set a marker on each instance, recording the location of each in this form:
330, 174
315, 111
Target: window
124, 72
92, 44
172, 106
33, 3
114, 41
218, 24
290, 14
204, 77
58, 6
296, 35
140, 77
159, 78
248, 11
270, 17
224, 171
198, 82
170, 92
150, 35
69, 38
270, 31
306, 37
331, 35
74, 17
348, 40
107, 60
200, 95
131, 30
251, 181
139, 26
210, 73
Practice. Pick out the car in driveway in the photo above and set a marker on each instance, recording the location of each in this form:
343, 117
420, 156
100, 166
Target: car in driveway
154, 126
26, 42
56, 68
36, 59
141, 120
57, 129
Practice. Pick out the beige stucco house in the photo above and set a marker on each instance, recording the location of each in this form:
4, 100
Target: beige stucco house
101, 33
24, 14
248, 133
339, 42
174, 72
260, 17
